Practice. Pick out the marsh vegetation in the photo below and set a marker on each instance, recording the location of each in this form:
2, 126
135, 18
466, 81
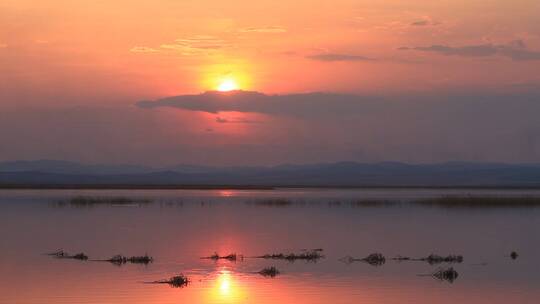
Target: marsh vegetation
178, 281
312, 255
120, 259
480, 202
270, 272
233, 257
88, 201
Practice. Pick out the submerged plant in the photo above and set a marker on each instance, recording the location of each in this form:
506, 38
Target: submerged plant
307, 255
80, 256
437, 259
145, 259
401, 258
273, 202
61, 254
480, 201
433, 259
120, 259
514, 255
178, 281
270, 272
87, 201
230, 257
446, 274
374, 259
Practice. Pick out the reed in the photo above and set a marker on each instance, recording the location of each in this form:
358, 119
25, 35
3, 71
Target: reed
446, 274
270, 272
307, 255
233, 257
178, 281
374, 259
480, 202
87, 201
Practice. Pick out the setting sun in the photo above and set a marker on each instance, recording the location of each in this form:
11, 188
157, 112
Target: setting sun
228, 84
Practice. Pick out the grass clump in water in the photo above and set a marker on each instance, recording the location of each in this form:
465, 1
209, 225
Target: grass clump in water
178, 281
433, 259
480, 202
87, 201
446, 274
120, 259
61, 254
374, 259
270, 272
306, 255
273, 202
233, 257
373, 203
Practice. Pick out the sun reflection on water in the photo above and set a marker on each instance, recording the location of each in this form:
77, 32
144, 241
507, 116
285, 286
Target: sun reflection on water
227, 288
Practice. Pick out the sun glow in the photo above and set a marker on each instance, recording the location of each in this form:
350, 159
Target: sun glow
228, 84
227, 289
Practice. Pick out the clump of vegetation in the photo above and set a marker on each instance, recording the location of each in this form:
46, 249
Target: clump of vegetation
480, 202
373, 203
514, 255
233, 257
87, 201
306, 255
446, 274
61, 254
270, 272
80, 256
120, 259
178, 281
401, 258
273, 202
374, 259
433, 259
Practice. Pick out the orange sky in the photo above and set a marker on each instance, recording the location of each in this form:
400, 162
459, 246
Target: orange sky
102, 55
168, 47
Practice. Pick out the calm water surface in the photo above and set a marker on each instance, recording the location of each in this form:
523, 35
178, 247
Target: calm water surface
182, 226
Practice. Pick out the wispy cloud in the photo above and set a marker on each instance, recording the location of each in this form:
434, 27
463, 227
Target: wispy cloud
425, 21
235, 120
267, 29
515, 50
143, 49
3, 45
188, 46
329, 57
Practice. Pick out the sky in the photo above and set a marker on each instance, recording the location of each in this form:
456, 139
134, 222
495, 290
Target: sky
135, 82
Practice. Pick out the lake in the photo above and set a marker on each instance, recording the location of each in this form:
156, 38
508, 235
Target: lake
178, 227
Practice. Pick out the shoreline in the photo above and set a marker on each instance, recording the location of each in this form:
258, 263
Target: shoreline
251, 187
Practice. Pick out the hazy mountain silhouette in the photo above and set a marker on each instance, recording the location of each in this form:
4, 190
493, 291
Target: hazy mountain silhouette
344, 174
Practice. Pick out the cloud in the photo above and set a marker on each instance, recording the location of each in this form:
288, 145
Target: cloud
267, 29
425, 127
515, 50
143, 49
330, 57
426, 21
188, 46
195, 45
421, 23
318, 104
235, 120
297, 105
3, 45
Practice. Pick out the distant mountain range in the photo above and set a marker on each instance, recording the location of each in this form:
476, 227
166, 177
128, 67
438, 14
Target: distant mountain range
51, 173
